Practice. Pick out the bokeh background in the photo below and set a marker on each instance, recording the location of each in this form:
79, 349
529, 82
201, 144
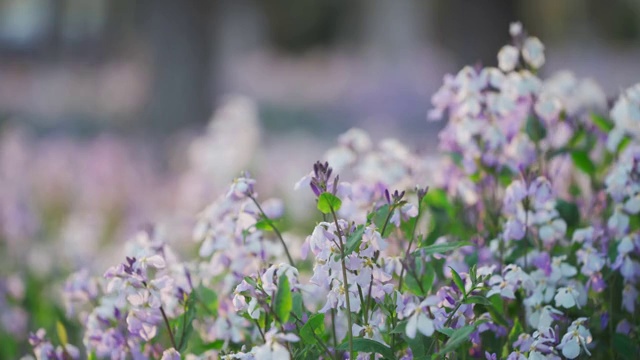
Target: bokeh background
115, 114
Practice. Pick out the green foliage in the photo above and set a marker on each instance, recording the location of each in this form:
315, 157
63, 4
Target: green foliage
284, 300
458, 280
369, 346
184, 324
535, 129
625, 347
354, 240
457, 339
582, 161
421, 285
604, 124
569, 212
297, 305
328, 203
440, 248
313, 326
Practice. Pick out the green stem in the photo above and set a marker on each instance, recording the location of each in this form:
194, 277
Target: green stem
345, 284
275, 229
166, 322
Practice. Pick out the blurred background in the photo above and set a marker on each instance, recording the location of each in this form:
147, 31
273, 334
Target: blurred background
152, 67
119, 113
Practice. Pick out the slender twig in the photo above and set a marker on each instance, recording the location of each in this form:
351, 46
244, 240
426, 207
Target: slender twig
408, 251
345, 284
275, 229
260, 330
333, 328
166, 322
318, 340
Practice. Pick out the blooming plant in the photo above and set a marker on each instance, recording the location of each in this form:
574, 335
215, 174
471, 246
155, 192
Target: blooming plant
526, 245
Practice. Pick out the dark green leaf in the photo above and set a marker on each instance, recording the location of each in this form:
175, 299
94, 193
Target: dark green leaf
476, 299
446, 331
379, 218
457, 280
327, 202
313, 326
569, 212
582, 161
457, 338
354, 240
535, 129
440, 248
624, 346
496, 310
298, 308
184, 323
369, 346
426, 280
284, 300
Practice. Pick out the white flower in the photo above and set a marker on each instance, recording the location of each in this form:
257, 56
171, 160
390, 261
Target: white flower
570, 296
548, 107
577, 337
533, 52
515, 28
626, 111
508, 58
420, 320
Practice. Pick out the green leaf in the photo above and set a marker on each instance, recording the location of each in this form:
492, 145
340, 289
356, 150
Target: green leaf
440, 248
569, 212
184, 326
298, 308
476, 299
328, 202
313, 326
264, 224
208, 298
457, 338
370, 346
516, 330
624, 346
426, 280
602, 123
535, 129
458, 281
251, 281
284, 300
62, 333
582, 161
446, 331
496, 310
354, 240
379, 218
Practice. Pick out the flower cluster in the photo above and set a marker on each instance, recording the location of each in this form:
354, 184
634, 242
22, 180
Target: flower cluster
525, 245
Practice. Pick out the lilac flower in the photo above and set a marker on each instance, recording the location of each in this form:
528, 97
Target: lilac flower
171, 354
420, 317
575, 340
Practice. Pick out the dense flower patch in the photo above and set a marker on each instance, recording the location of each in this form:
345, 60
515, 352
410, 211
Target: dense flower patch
525, 245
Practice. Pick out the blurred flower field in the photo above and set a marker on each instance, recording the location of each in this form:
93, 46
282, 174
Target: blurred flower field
519, 238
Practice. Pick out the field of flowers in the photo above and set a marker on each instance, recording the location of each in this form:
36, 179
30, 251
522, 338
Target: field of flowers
519, 239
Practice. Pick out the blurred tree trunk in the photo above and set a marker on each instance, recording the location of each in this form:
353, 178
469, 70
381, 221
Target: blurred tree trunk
179, 35
473, 30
